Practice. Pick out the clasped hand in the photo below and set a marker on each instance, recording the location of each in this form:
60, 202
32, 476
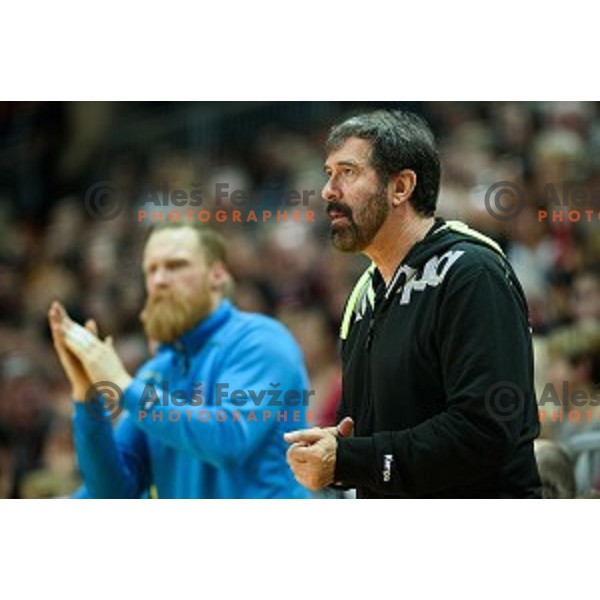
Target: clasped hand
312, 454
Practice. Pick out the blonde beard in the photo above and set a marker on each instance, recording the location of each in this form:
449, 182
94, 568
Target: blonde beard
166, 316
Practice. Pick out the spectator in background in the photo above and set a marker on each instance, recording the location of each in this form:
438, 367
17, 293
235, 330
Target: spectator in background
570, 400
573, 369
586, 295
556, 470
530, 254
25, 418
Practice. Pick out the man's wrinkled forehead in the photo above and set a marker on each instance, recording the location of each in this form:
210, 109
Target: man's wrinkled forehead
352, 150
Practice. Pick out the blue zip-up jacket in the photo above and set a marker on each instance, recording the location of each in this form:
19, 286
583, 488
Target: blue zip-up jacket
241, 384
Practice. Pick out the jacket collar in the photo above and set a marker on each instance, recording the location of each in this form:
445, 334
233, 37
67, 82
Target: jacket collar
195, 338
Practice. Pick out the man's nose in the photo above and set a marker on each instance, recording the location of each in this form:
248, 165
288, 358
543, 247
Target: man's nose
331, 191
158, 279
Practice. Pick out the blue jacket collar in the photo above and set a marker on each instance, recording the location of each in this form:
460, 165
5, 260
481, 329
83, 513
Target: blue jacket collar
195, 338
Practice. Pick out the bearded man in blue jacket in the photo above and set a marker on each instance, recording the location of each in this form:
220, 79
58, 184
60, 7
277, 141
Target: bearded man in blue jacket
205, 417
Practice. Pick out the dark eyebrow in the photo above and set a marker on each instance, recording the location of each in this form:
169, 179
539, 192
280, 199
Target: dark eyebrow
343, 163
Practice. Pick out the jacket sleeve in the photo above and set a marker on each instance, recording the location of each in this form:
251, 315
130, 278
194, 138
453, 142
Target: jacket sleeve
265, 368
484, 352
114, 464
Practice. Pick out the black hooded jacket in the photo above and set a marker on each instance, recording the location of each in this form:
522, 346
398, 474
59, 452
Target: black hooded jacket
438, 376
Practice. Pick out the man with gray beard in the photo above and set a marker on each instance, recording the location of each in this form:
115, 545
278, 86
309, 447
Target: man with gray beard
205, 417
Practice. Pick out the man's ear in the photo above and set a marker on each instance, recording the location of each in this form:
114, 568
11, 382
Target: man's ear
218, 277
402, 186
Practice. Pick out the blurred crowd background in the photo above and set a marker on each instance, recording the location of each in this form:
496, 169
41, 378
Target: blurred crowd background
53, 245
